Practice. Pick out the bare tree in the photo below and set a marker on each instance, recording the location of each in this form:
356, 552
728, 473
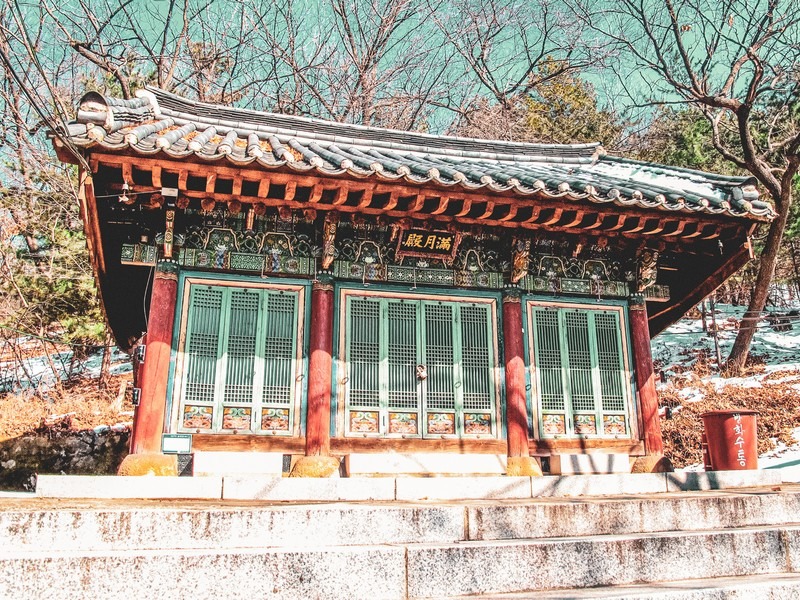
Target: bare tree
45, 275
408, 64
508, 49
738, 62
131, 42
373, 62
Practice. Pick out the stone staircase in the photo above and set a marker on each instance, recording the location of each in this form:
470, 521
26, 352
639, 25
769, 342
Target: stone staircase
739, 543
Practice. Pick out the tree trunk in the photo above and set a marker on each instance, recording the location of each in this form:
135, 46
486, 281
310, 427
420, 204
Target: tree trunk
793, 252
105, 364
758, 298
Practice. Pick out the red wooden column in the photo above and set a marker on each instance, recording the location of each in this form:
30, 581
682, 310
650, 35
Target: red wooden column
148, 421
645, 377
516, 408
318, 416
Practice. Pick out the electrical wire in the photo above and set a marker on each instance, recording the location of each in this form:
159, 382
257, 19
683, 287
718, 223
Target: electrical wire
129, 193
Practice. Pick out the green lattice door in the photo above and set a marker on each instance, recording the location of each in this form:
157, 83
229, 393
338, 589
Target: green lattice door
581, 383
418, 368
239, 360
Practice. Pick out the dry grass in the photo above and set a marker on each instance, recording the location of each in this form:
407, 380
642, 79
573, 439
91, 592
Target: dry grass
84, 405
776, 402
87, 407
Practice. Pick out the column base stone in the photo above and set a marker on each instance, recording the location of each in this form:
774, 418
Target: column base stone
652, 463
523, 466
150, 463
316, 466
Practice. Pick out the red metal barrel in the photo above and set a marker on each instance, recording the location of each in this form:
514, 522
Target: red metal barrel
731, 438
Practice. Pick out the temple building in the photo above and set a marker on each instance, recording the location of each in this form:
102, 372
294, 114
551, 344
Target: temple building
310, 289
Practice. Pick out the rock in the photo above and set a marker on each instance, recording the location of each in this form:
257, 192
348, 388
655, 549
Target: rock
68, 452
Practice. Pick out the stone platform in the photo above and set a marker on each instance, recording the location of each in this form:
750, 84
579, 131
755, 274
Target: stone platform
265, 487
737, 542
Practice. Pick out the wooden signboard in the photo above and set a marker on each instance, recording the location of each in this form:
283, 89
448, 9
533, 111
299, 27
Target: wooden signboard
422, 243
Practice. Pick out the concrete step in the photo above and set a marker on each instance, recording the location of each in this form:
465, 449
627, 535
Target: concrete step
403, 570
261, 487
188, 526
472, 568
101, 525
619, 515
152, 525
772, 586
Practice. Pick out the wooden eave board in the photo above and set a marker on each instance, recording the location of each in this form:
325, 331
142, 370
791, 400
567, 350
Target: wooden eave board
504, 210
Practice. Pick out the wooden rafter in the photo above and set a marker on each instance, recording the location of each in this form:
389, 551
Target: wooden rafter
443, 202
341, 196
546, 212
290, 190
88, 204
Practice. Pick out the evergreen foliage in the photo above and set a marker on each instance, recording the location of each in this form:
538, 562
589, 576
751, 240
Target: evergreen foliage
564, 109
47, 280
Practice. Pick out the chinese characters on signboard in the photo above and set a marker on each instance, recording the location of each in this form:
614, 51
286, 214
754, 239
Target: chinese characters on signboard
427, 244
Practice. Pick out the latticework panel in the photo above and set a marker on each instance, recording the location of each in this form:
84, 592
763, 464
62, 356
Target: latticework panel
579, 356
241, 346
240, 354
280, 338
364, 352
439, 356
579, 364
476, 358
548, 360
609, 358
202, 344
402, 355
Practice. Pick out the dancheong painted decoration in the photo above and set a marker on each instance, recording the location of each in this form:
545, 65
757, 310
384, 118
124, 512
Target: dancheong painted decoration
324, 289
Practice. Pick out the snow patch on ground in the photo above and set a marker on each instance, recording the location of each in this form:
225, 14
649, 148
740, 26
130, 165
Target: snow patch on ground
41, 373
679, 347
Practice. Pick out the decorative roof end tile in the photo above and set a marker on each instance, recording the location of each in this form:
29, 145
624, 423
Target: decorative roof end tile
95, 133
151, 98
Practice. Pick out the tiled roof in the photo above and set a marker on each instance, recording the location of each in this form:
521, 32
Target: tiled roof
158, 122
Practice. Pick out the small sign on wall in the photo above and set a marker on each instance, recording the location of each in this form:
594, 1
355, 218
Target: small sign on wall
422, 243
176, 443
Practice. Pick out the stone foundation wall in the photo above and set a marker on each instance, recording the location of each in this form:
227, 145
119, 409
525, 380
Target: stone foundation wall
89, 452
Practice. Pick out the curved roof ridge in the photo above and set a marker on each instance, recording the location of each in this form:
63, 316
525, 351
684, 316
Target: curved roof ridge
716, 177
322, 129
161, 123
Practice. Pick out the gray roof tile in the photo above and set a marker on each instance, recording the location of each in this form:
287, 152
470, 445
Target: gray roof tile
578, 171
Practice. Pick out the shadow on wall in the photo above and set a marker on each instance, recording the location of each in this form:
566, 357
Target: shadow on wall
85, 452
